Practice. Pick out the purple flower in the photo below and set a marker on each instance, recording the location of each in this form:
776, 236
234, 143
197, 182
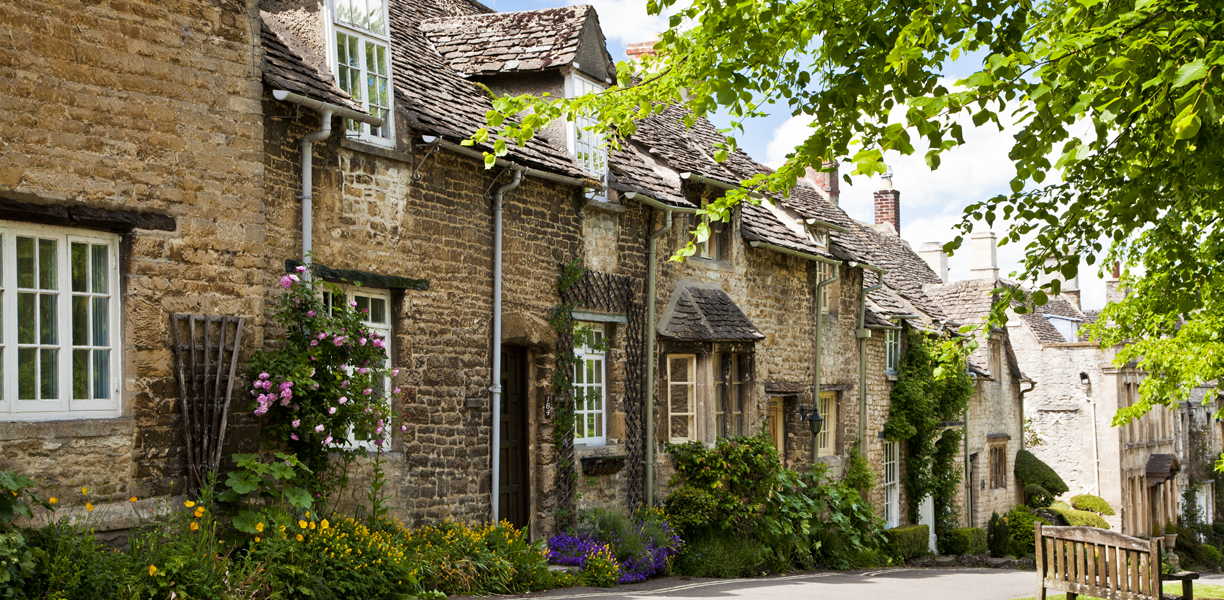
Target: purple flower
314, 342
287, 281
377, 343
327, 441
378, 443
301, 268
363, 370
344, 383
395, 372
322, 335
403, 428
362, 341
352, 303
339, 340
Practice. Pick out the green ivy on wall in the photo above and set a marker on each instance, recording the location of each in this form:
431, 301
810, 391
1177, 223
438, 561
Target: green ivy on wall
932, 388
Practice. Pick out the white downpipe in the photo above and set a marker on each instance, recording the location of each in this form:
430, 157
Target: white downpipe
1096, 455
496, 388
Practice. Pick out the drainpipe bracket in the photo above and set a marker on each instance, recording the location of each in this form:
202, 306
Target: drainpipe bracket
496, 389
862, 333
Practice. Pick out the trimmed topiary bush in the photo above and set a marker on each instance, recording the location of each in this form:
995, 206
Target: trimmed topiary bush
1037, 497
1079, 518
968, 540
907, 542
1030, 470
1023, 536
1092, 503
998, 536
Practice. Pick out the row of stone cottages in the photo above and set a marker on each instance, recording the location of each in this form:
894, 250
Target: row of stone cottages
192, 149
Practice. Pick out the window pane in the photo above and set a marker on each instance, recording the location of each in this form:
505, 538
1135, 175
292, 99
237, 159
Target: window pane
25, 262
680, 427
378, 310
101, 260
48, 323
679, 401
579, 430
578, 375
80, 267
101, 322
363, 304
679, 369
719, 421
26, 319
80, 374
48, 373
598, 424
380, 61
47, 256
101, 374
597, 370
27, 373
598, 397
375, 11
80, 321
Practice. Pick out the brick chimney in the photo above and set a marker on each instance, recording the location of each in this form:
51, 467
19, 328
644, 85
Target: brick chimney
984, 261
936, 258
637, 50
825, 181
888, 204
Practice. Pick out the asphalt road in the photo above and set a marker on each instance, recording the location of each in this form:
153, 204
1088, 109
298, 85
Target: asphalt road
902, 583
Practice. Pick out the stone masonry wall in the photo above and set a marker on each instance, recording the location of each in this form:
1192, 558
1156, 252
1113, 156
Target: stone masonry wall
147, 106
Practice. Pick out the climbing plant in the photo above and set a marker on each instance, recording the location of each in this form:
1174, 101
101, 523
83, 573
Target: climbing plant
932, 389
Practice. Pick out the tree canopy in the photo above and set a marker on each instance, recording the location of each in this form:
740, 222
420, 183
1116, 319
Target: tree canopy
1118, 152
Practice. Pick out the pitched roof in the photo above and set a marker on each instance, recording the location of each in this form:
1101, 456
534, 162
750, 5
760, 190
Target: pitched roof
439, 100
481, 44
285, 68
633, 170
703, 312
1041, 327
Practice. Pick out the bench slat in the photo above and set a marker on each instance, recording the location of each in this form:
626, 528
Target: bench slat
1095, 536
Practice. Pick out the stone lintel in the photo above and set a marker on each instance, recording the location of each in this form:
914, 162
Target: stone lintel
77, 215
365, 278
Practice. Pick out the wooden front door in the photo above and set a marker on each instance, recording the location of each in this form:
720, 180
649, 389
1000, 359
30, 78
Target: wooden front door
513, 493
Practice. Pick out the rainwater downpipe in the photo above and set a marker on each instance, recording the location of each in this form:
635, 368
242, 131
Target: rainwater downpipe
651, 251
816, 361
862, 333
496, 389
326, 112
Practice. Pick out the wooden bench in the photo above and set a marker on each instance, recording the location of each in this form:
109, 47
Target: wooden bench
1103, 564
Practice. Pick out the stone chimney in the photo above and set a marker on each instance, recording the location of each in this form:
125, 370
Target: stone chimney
637, 50
1112, 292
826, 181
936, 258
888, 204
983, 258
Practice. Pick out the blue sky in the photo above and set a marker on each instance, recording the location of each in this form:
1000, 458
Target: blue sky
931, 201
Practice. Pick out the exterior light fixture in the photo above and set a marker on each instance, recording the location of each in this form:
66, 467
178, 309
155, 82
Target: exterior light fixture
813, 418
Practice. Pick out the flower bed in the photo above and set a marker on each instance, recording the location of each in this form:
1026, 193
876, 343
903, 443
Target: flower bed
639, 548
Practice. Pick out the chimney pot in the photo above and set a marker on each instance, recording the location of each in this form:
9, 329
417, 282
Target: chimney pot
936, 258
984, 259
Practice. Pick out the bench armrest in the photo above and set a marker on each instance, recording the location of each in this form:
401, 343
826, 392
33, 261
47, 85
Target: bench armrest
1181, 576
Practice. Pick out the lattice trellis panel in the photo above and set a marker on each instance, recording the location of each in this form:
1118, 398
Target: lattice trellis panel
620, 294
206, 357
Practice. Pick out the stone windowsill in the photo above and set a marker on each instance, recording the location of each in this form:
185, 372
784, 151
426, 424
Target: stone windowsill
709, 263
614, 449
1150, 444
71, 428
604, 206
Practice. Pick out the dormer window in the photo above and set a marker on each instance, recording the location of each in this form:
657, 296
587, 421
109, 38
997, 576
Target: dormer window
362, 62
1068, 328
585, 146
819, 237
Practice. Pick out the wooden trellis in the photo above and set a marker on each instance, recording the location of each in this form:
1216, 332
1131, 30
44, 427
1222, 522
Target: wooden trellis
206, 357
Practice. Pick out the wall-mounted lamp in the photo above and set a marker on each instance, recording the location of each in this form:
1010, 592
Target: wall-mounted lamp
814, 420
1084, 381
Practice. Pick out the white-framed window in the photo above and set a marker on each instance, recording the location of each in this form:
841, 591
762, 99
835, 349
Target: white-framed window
682, 397
1067, 328
827, 407
587, 147
892, 487
892, 351
59, 346
728, 394
823, 272
590, 391
376, 305
361, 55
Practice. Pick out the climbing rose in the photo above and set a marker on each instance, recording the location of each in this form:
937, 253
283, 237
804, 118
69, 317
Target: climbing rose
296, 423
327, 441
319, 429
287, 281
331, 411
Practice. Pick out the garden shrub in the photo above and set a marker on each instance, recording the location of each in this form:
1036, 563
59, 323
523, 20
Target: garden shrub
998, 536
1211, 557
642, 546
1031, 470
1218, 528
690, 508
458, 559
1091, 503
720, 554
907, 542
968, 540
74, 565
1079, 518
1036, 496
1021, 522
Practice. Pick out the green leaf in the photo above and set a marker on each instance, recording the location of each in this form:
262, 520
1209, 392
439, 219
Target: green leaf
247, 520
1189, 73
243, 482
298, 497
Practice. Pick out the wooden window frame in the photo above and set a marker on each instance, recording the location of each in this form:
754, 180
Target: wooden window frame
827, 440
384, 135
691, 383
590, 351
998, 467
890, 482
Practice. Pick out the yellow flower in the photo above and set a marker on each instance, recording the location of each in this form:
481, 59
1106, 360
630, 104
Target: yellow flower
299, 537
53, 500
189, 504
302, 524
84, 491
194, 526
152, 570
312, 524
324, 524
199, 512
259, 527
89, 506
256, 539
132, 499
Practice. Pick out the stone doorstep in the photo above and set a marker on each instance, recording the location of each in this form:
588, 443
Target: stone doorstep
563, 569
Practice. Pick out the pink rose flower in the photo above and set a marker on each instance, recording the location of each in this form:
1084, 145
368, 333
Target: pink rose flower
314, 342
395, 372
327, 441
368, 391
301, 268
319, 429
362, 341
293, 436
343, 399
296, 423
363, 370
264, 375
287, 281
339, 340
403, 428
331, 411
310, 313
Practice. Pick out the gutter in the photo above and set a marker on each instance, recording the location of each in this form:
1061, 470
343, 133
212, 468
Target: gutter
496, 388
326, 112
816, 343
501, 162
862, 333
695, 178
650, 328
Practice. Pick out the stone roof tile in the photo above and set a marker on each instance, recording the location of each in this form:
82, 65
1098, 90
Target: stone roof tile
483, 44
703, 312
286, 69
